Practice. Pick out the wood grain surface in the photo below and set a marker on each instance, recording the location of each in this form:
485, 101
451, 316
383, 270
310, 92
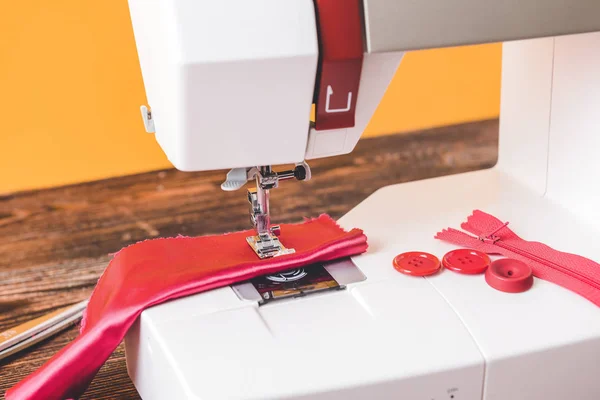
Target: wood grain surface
55, 243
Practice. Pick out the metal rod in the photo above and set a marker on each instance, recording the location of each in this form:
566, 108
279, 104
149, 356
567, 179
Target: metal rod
29, 333
285, 175
263, 219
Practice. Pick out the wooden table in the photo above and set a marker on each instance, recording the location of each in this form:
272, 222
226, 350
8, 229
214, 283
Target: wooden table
55, 243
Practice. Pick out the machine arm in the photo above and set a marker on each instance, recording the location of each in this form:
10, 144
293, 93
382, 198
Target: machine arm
401, 25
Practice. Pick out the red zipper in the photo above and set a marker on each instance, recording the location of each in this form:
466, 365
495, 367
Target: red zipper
492, 236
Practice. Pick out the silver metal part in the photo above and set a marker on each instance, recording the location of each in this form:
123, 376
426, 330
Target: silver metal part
29, 333
237, 177
265, 243
344, 271
267, 246
259, 205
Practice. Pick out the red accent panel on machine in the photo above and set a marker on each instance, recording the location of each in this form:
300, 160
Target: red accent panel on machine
340, 62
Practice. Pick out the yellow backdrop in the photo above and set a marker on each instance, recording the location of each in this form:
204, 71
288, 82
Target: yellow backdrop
70, 91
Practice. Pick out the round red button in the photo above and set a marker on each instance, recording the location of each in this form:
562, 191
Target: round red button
466, 261
417, 263
509, 275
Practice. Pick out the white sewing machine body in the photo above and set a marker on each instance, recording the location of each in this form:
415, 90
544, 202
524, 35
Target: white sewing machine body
392, 336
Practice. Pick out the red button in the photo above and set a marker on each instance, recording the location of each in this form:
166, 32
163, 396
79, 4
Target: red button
509, 275
466, 261
417, 263
340, 63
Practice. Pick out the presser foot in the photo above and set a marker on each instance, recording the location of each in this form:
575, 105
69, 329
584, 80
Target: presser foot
267, 245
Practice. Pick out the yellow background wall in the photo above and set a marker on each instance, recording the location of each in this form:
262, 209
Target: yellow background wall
70, 91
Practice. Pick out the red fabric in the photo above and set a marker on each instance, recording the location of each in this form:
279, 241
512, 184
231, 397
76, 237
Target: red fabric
576, 273
154, 271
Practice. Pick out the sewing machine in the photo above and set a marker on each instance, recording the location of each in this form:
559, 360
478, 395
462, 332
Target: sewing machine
230, 84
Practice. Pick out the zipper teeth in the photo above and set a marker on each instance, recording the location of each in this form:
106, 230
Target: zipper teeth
548, 263
524, 253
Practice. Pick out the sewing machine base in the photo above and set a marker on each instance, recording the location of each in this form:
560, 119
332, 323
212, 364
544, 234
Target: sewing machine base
448, 336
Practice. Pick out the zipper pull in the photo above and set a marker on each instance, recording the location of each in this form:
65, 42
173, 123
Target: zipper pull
490, 237
465, 240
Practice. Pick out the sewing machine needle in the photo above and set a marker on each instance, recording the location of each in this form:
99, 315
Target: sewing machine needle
29, 333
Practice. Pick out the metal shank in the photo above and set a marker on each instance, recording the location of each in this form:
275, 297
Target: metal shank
261, 212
